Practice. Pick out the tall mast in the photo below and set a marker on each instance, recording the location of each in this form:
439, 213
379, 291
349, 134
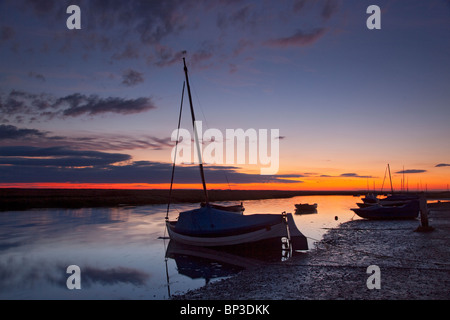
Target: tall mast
195, 133
403, 179
390, 178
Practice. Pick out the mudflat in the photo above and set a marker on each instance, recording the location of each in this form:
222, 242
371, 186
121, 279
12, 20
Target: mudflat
412, 266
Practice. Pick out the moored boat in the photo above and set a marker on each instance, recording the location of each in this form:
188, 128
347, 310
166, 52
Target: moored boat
304, 208
238, 208
212, 226
370, 198
409, 210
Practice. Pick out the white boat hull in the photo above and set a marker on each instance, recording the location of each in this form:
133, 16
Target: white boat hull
275, 231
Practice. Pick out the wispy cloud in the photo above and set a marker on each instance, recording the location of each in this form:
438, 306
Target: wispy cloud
411, 171
298, 39
142, 29
345, 175
9, 132
132, 77
442, 165
11, 136
57, 157
24, 164
19, 104
353, 175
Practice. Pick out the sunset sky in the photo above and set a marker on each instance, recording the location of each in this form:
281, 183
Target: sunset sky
96, 107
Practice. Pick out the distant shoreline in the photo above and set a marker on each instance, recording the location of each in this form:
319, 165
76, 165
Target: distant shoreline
25, 199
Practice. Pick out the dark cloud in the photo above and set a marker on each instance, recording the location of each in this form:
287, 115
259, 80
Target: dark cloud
442, 165
131, 78
345, 175
353, 175
299, 39
46, 107
94, 105
9, 132
411, 171
22, 164
116, 142
11, 135
57, 157
143, 29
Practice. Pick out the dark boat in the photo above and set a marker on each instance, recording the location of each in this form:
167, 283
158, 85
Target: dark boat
238, 208
410, 210
305, 208
391, 201
370, 198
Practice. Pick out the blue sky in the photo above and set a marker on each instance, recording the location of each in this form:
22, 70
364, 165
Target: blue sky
346, 99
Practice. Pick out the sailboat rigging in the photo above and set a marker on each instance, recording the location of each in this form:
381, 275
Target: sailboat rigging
213, 226
202, 173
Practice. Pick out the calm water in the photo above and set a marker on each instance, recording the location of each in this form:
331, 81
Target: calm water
121, 252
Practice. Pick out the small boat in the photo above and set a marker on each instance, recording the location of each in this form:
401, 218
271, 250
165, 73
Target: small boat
210, 227
409, 210
370, 198
303, 208
398, 199
239, 208
391, 200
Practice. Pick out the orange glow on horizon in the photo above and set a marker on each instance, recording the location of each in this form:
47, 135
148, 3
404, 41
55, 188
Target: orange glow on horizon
307, 185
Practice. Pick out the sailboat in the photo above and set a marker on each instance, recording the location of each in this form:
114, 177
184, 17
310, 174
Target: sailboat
237, 208
409, 210
395, 206
210, 226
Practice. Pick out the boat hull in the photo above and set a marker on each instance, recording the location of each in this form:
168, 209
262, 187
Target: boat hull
378, 212
276, 231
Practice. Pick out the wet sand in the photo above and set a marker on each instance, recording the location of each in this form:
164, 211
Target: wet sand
413, 266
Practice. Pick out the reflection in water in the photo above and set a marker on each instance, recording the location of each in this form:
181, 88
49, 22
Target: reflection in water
112, 246
121, 254
210, 263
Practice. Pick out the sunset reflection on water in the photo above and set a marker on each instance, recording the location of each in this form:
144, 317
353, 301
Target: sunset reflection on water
121, 252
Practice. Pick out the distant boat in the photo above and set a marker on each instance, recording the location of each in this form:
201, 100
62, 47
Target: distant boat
398, 199
239, 208
304, 208
370, 198
391, 200
409, 210
209, 226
